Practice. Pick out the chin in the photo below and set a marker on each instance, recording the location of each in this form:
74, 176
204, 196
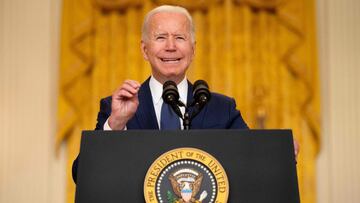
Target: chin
172, 72
174, 77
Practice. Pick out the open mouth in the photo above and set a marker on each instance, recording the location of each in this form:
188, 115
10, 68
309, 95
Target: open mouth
170, 60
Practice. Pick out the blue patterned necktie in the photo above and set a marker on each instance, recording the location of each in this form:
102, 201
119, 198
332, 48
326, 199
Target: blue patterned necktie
168, 120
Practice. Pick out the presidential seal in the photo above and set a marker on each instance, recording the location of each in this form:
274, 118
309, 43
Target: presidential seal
186, 175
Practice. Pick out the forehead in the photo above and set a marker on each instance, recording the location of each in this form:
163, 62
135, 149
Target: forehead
169, 22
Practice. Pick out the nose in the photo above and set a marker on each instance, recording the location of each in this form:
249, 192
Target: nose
170, 44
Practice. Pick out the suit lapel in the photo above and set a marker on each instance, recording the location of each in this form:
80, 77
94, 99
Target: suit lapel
189, 94
145, 114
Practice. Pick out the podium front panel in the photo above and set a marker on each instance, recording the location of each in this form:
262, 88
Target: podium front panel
260, 164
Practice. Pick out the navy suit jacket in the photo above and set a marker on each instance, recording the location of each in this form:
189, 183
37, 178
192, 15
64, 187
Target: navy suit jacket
219, 113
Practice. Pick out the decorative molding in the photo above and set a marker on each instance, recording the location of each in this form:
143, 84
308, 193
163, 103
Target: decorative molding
117, 4
189, 4
262, 4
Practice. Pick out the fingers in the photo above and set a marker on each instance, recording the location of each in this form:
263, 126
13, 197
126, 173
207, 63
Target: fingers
131, 84
127, 90
124, 104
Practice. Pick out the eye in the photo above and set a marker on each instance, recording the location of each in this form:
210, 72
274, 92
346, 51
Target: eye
180, 38
159, 38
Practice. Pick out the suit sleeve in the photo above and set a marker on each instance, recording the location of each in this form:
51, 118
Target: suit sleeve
235, 118
104, 113
74, 169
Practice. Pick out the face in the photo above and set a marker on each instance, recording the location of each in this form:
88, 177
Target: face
168, 46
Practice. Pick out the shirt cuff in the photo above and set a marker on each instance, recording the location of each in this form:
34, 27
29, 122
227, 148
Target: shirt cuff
107, 126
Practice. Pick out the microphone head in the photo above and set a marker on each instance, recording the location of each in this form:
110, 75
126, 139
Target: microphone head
201, 92
170, 92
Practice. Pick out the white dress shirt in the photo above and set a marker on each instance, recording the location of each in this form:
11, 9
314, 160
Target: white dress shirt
156, 89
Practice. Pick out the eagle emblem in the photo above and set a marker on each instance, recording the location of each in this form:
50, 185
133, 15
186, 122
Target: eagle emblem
186, 184
186, 175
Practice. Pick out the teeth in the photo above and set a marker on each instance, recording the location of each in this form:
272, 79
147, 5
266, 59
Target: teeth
170, 60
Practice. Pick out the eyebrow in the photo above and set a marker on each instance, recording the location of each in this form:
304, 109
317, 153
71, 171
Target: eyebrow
167, 34
160, 34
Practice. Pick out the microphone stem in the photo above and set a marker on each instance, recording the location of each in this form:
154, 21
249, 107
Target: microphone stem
186, 121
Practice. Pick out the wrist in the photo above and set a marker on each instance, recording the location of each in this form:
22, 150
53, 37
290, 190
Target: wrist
116, 124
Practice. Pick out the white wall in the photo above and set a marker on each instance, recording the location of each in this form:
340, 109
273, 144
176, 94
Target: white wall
29, 170
339, 48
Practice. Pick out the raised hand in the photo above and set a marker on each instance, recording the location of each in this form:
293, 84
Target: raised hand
124, 104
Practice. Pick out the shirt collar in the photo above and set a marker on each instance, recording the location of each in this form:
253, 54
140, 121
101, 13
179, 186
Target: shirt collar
156, 89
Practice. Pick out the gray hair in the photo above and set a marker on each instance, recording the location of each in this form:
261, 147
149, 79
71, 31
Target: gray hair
167, 9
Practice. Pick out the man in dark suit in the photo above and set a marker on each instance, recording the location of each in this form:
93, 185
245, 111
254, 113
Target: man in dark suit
168, 43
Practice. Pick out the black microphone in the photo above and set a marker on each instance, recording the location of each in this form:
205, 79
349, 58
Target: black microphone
170, 93
202, 95
171, 96
201, 92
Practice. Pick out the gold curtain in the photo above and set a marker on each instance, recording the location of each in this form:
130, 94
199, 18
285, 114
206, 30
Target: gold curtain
261, 52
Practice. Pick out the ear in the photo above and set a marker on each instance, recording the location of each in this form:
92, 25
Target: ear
144, 50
